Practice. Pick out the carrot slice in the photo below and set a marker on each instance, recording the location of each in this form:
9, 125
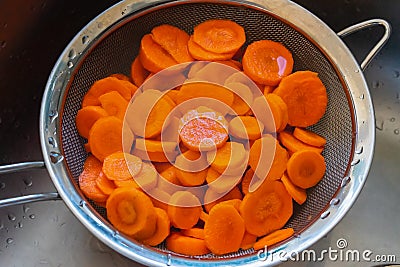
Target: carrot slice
219, 36
204, 216
184, 209
228, 159
243, 98
194, 232
232, 202
305, 96
162, 229
153, 57
309, 137
268, 158
248, 240
103, 86
159, 198
273, 238
199, 53
246, 181
281, 105
207, 90
212, 175
298, 194
186, 245
138, 72
293, 144
105, 137
190, 168
120, 76
268, 89
246, 127
174, 41
266, 209
87, 180
127, 183
306, 168
219, 238
147, 177
114, 104
211, 198
106, 185
86, 117
167, 180
121, 166
267, 62
231, 63
131, 212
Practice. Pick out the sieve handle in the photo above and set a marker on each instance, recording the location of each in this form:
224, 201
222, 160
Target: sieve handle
10, 168
367, 24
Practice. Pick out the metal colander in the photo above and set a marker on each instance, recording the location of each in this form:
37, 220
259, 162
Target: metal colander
111, 41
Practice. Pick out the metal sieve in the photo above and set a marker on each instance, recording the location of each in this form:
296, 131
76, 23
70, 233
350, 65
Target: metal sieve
110, 42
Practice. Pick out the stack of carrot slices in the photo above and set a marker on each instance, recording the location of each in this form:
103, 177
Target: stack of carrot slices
249, 191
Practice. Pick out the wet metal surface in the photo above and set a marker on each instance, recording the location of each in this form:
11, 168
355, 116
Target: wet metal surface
32, 35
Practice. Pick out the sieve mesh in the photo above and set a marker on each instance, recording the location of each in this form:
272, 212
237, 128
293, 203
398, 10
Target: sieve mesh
115, 52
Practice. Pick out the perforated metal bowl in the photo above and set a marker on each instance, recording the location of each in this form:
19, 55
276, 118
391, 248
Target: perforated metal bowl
110, 42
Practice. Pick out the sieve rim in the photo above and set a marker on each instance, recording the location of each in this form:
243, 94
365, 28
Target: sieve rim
313, 28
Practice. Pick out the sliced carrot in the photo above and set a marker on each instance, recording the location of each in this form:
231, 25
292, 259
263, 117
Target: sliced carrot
298, 194
147, 177
87, 147
190, 168
105, 137
246, 181
121, 166
268, 158
231, 63
243, 98
106, 185
120, 76
309, 137
212, 175
268, 89
211, 198
305, 96
132, 87
306, 168
174, 41
229, 158
162, 229
184, 209
203, 216
173, 94
127, 183
267, 62
138, 72
168, 180
153, 57
273, 238
232, 202
277, 100
293, 144
162, 166
155, 156
266, 209
186, 245
159, 197
194, 232
246, 127
248, 240
88, 177
219, 238
131, 212
219, 36
147, 113
103, 86
114, 104
199, 53
155, 145
86, 117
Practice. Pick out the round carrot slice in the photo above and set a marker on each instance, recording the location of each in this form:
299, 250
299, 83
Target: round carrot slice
121, 166
267, 62
162, 229
298, 194
86, 117
309, 137
184, 209
267, 209
306, 168
131, 212
199, 53
186, 245
293, 144
138, 72
219, 36
305, 96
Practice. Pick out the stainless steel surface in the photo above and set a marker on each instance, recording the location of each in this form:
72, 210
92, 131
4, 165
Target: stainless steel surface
20, 166
58, 239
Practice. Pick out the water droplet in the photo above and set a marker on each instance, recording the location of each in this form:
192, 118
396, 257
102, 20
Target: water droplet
70, 64
32, 216
361, 96
325, 214
396, 74
396, 131
72, 54
55, 219
355, 162
52, 142
375, 84
2, 185
56, 157
28, 182
359, 150
392, 119
25, 208
36, 243
169, 259
3, 44
346, 180
379, 126
53, 115
1, 225
357, 71
81, 203
11, 217
85, 39
9, 240
20, 225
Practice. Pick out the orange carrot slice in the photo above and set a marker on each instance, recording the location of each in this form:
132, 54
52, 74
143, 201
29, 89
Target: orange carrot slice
248, 240
274, 99
194, 232
211, 198
219, 36
186, 245
306, 168
114, 104
138, 72
162, 229
106, 185
199, 53
246, 127
298, 194
267, 62
184, 209
86, 117
88, 177
309, 137
273, 238
121, 166
305, 96
293, 144
120, 76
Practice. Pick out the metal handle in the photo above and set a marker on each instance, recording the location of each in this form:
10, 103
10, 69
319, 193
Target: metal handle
368, 24
28, 198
